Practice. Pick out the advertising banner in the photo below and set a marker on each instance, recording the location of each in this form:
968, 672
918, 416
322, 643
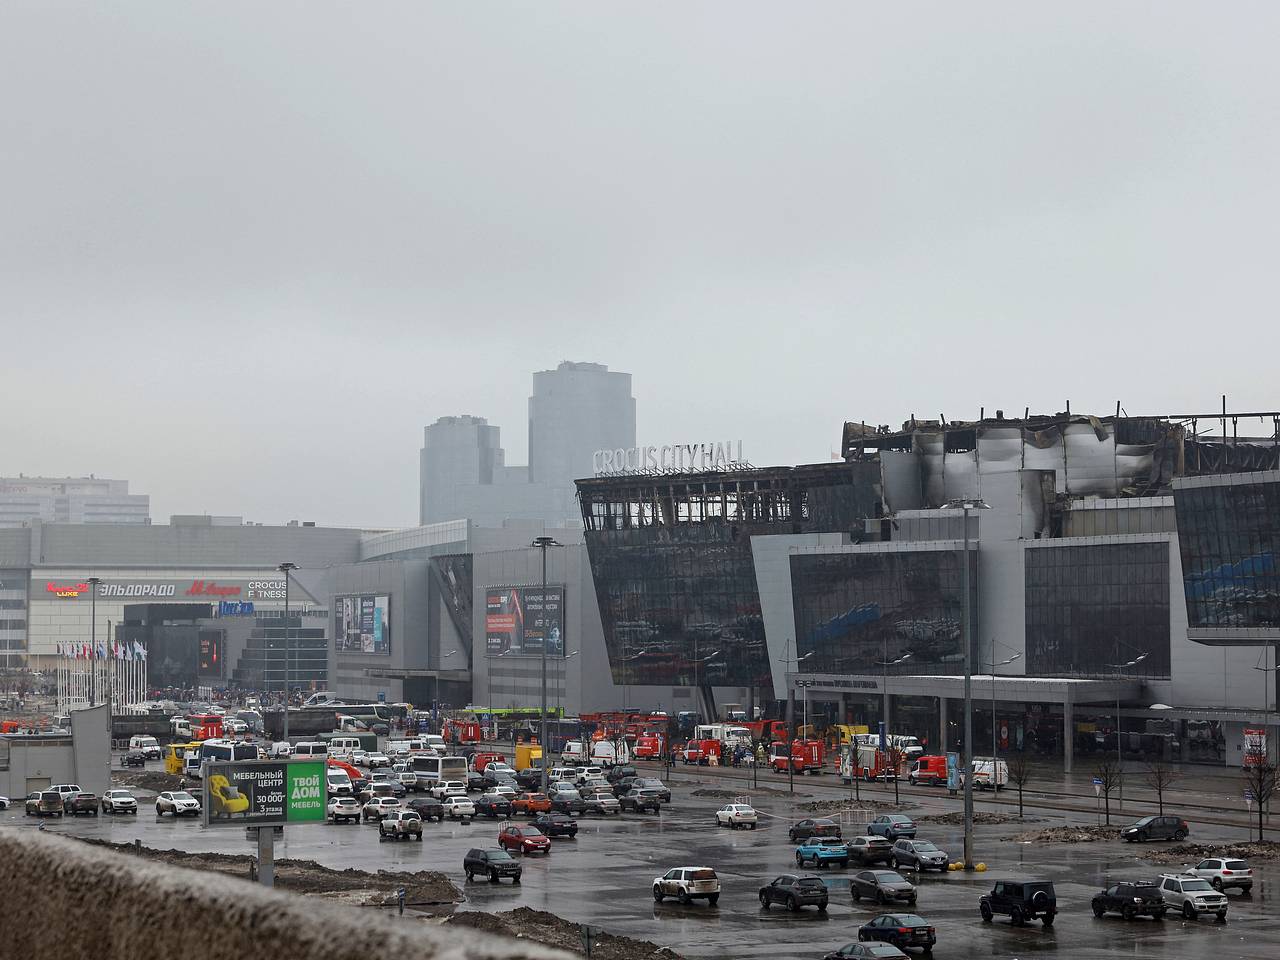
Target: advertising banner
362, 624
186, 590
264, 793
519, 620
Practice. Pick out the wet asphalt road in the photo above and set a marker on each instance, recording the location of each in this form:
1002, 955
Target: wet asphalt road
604, 877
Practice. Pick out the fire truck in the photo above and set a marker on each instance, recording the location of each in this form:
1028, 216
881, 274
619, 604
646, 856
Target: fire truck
806, 756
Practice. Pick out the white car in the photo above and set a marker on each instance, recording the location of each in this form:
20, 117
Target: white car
282, 748
449, 788
376, 759
459, 808
687, 883
498, 769
409, 780
737, 816
1224, 872
66, 790
236, 727
508, 793
343, 809
4, 803
178, 802
119, 801
1193, 896
379, 807
358, 758
586, 773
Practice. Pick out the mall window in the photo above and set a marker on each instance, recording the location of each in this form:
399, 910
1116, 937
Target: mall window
1092, 605
1229, 536
857, 610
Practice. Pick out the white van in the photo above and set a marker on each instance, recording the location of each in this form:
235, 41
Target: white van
435, 742
989, 774
343, 746
608, 753
339, 782
575, 751
563, 773
312, 748
149, 746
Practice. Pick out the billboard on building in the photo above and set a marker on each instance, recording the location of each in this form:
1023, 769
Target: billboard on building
362, 624
211, 653
264, 793
520, 620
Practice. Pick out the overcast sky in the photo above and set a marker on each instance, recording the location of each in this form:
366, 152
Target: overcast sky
248, 250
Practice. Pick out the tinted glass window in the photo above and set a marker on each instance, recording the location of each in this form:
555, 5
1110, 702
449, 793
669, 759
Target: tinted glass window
1237, 865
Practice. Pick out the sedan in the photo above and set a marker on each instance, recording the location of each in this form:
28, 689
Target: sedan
900, 929
653, 783
605, 804
736, 815
795, 892
893, 826
866, 951
920, 854
119, 801
376, 759
882, 886
459, 808
526, 839
178, 802
556, 825
568, 801
493, 805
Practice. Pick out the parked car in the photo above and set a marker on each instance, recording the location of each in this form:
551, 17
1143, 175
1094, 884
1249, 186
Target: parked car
65, 789
686, 884
82, 802
459, 808
919, 854
343, 810
376, 759
641, 799
586, 773
882, 886
1020, 901
868, 851
531, 803
412, 781
624, 784
134, 758
530, 778
1156, 828
736, 815
795, 891
822, 827
178, 802
495, 864
893, 826
526, 839
866, 951
428, 808
381, 788
1130, 899
448, 788
1225, 872
568, 801
119, 801
594, 785
379, 807
44, 803
653, 783
614, 774
556, 825
900, 929
400, 825
1193, 896
493, 805
821, 853
603, 803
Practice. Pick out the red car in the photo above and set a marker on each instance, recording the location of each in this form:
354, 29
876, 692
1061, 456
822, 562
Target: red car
525, 839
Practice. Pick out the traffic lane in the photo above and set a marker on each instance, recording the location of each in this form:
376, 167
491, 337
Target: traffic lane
604, 878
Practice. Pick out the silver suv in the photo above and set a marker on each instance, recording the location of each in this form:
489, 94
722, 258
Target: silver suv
1224, 872
1193, 896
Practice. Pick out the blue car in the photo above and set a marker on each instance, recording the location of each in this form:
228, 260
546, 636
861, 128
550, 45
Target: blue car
821, 854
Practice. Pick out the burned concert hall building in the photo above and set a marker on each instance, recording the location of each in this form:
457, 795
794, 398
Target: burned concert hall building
1121, 570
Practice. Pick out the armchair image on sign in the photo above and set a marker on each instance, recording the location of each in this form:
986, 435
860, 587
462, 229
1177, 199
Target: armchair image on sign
519, 620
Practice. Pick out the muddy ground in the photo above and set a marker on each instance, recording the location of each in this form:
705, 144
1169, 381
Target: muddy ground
1081, 834
1267, 850
554, 931
979, 817
829, 807
156, 780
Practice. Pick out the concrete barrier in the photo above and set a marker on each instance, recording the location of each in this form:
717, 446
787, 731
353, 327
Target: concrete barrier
66, 900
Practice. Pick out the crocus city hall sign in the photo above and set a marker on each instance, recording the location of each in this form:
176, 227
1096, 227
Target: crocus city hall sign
674, 458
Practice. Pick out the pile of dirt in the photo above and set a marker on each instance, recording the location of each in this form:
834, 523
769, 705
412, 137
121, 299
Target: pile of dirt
547, 928
423, 887
155, 780
1254, 850
979, 817
1084, 834
828, 807
716, 794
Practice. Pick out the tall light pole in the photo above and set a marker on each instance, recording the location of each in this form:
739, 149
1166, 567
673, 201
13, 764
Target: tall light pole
435, 701
286, 568
543, 543
564, 671
884, 666
1120, 668
1267, 690
995, 779
93, 639
488, 674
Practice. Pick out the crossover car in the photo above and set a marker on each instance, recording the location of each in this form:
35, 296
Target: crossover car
901, 929
737, 815
616, 773
379, 807
1193, 896
343, 810
531, 803
1156, 828
495, 864
1130, 899
795, 891
526, 839
686, 884
134, 758
893, 826
178, 802
1020, 901
82, 802
400, 825
868, 851
44, 803
820, 853
119, 801
1224, 872
639, 799
448, 788
822, 827
919, 855
653, 783
882, 886
428, 808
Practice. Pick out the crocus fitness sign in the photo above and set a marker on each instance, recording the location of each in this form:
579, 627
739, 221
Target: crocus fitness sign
668, 458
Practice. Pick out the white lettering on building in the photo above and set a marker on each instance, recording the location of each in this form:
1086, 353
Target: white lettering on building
669, 458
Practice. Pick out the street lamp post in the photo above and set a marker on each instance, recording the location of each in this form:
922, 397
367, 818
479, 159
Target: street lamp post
884, 665
491, 729
93, 639
1120, 668
1267, 689
564, 671
995, 779
286, 568
543, 543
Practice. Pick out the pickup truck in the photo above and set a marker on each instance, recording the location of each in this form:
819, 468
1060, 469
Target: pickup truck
81, 802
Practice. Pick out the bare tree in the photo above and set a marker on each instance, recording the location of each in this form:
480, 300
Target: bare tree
1161, 777
1261, 779
1109, 772
896, 758
1020, 774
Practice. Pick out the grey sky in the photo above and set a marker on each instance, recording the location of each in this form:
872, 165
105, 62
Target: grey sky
248, 250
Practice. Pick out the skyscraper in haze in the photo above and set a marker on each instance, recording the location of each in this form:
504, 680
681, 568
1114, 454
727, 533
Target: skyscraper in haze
456, 452
576, 409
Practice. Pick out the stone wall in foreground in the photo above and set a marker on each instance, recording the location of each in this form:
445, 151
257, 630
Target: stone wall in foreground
66, 900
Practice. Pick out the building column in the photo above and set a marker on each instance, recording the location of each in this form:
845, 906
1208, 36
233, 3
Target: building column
1068, 733
943, 745
844, 708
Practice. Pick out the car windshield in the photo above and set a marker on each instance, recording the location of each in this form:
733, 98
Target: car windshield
1236, 865
702, 874
1195, 885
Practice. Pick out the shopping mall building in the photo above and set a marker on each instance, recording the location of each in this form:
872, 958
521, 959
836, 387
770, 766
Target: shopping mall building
1119, 568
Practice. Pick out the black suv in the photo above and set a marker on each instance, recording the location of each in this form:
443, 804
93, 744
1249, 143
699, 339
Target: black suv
495, 864
556, 825
428, 808
1130, 900
821, 827
614, 774
530, 778
1020, 900
1156, 828
624, 784
795, 892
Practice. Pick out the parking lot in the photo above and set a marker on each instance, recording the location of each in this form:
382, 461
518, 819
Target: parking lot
603, 877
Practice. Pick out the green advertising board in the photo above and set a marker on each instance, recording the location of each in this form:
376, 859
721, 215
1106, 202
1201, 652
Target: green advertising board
264, 793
